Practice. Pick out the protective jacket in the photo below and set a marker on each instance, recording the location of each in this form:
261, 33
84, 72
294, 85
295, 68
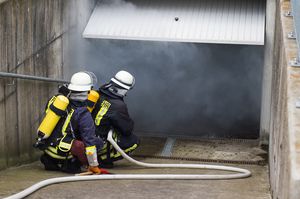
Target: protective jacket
83, 125
76, 124
111, 112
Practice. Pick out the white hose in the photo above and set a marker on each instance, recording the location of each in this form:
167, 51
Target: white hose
242, 173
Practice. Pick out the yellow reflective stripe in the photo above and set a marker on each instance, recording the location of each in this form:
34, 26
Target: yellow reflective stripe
131, 148
104, 148
51, 151
53, 155
64, 128
112, 155
114, 135
65, 147
103, 110
103, 157
126, 150
90, 148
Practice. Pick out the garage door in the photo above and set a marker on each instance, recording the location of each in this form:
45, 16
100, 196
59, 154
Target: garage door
198, 21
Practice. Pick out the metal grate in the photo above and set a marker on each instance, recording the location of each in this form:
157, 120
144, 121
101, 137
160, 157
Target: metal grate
245, 162
229, 151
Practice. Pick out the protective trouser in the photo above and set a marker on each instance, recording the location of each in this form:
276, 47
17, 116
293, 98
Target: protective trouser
68, 165
78, 150
66, 156
127, 143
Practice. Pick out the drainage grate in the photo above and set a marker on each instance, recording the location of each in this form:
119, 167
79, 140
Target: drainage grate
220, 150
242, 162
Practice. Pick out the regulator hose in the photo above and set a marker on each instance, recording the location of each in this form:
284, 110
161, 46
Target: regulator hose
241, 173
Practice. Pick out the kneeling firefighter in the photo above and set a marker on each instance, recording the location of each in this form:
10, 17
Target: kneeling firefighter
111, 112
67, 133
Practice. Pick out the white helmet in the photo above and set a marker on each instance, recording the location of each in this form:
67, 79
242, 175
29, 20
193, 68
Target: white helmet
81, 81
124, 79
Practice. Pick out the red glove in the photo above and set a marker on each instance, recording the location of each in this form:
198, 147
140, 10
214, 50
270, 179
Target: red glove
97, 170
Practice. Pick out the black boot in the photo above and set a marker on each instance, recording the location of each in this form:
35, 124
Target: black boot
106, 164
71, 166
50, 164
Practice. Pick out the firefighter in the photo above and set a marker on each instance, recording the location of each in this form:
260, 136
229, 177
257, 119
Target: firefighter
111, 112
73, 142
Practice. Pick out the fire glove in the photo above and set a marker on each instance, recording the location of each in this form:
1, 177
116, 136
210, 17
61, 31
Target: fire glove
97, 170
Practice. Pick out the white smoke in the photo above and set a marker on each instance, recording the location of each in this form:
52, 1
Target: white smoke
119, 4
188, 89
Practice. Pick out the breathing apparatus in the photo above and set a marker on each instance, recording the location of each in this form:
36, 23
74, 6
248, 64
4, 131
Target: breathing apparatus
92, 99
56, 110
63, 89
78, 88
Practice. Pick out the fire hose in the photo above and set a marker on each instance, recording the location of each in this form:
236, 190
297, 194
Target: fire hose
240, 173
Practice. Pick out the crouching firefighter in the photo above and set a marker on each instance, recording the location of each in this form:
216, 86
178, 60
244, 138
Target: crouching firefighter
67, 133
111, 112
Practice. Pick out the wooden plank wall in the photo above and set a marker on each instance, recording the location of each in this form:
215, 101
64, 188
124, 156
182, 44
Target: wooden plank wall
31, 33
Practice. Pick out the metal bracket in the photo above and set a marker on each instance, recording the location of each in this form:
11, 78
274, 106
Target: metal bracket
288, 14
291, 35
295, 62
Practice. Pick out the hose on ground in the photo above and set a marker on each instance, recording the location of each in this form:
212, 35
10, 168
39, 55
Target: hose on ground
241, 173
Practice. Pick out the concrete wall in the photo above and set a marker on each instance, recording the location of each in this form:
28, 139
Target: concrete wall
265, 117
284, 129
33, 41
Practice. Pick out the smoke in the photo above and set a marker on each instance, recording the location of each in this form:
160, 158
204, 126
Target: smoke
120, 4
184, 89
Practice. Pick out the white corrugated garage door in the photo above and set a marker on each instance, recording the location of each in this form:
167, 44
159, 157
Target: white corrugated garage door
199, 21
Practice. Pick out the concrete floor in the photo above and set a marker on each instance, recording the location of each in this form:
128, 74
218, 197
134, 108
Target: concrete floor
16, 179
255, 187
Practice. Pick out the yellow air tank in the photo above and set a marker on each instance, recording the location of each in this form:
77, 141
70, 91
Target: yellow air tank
52, 117
92, 99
